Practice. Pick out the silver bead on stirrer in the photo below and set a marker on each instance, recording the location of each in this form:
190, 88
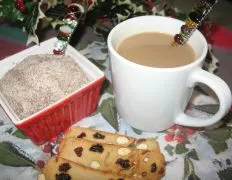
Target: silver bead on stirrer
74, 14
194, 20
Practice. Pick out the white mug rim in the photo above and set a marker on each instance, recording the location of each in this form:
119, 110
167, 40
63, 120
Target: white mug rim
197, 61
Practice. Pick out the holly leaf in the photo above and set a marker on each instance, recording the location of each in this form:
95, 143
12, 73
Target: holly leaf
107, 87
98, 63
137, 131
11, 155
169, 149
218, 146
225, 173
217, 138
216, 162
109, 112
189, 170
186, 168
220, 134
192, 154
19, 134
10, 130
209, 108
193, 177
180, 149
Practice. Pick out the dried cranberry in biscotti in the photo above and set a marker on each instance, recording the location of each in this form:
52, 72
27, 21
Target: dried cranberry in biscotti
64, 167
153, 167
78, 151
98, 136
81, 135
63, 176
97, 148
124, 163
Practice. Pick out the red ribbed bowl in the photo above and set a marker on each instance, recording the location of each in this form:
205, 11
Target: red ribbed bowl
56, 118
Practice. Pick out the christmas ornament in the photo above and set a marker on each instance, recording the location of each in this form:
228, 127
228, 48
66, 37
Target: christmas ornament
74, 14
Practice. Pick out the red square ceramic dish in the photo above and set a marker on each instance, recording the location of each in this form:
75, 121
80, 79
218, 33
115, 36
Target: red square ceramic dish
56, 118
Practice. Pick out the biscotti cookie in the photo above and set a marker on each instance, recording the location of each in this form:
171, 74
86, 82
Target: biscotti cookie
110, 138
113, 158
58, 168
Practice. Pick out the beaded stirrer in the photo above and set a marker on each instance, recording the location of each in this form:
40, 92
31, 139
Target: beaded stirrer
74, 14
199, 13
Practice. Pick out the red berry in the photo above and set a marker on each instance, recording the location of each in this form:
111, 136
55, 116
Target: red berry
22, 9
169, 137
174, 127
90, 2
20, 1
189, 131
179, 138
47, 148
40, 163
19, 5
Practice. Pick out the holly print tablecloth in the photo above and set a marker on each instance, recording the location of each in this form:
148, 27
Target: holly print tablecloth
190, 153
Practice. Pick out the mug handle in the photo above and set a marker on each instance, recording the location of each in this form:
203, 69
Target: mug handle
222, 91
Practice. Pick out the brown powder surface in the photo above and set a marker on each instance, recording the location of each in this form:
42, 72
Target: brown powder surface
39, 81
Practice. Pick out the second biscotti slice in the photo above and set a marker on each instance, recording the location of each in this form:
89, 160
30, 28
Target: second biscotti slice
111, 138
113, 158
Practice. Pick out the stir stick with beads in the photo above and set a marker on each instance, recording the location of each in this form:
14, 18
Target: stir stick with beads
74, 14
198, 14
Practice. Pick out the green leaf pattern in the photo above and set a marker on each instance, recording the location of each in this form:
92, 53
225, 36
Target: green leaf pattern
187, 156
11, 155
217, 140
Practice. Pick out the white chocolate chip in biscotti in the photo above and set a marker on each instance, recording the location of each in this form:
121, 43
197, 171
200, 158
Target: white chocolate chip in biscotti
142, 146
122, 140
137, 176
145, 159
123, 151
41, 177
95, 165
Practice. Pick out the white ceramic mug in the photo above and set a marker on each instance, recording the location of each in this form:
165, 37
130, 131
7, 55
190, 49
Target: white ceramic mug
153, 99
